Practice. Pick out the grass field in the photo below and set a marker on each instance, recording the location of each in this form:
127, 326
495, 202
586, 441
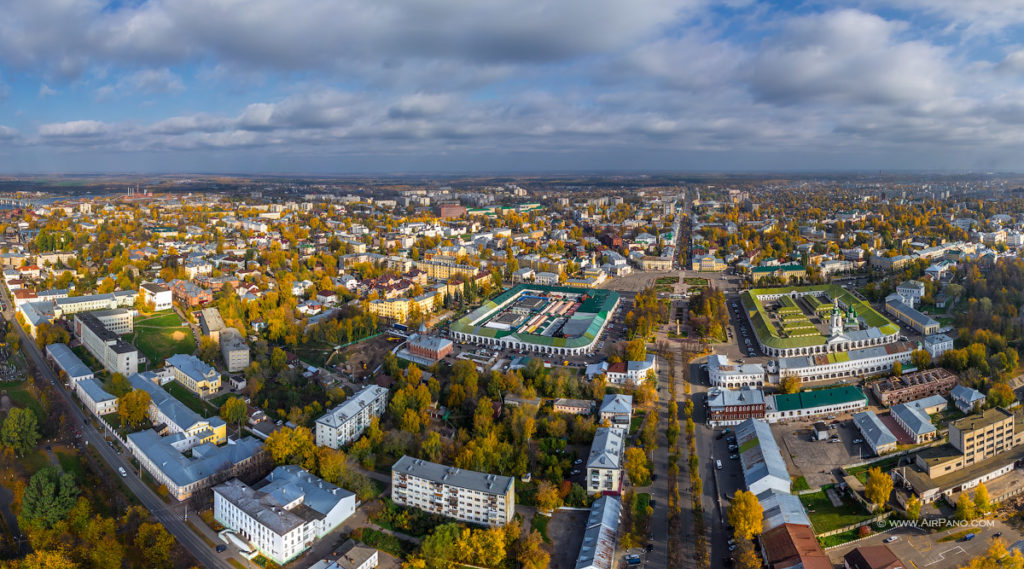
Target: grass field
161, 336
826, 517
540, 523
18, 392
695, 281
191, 400
666, 280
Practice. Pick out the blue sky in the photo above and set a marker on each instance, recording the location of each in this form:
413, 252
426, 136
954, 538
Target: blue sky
392, 86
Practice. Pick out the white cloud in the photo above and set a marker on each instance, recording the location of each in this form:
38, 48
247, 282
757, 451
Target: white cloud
74, 129
46, 91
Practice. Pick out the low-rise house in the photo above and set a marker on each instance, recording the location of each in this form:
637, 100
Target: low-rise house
914, 421
732, 407
967, 400
600, 534
68, 364
617, 409
194, 374
573, 406
95, 398
874, 432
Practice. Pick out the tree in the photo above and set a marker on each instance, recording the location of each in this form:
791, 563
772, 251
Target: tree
44, 560
49, 496
745, 515
155, 544
234, 410
278, 359
1000, 395
119, 385
636, 350
982, 504
636, 466
790, 383
878, 487
292, 446
964, 507
530, 554
438, 548
921, 359
547, 497
746, 557
208, 350
913, 508
897, 368
997, 557
20, 431
133, 407
391, 367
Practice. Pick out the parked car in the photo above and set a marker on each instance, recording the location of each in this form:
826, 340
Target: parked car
857, 441
122, 471
222, 548
733, 447
968, 537
734, 456
890, 539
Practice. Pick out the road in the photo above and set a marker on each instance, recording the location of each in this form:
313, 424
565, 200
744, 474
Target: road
77, 418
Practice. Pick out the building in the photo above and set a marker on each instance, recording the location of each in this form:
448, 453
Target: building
920, 322
914, 385
980, 437
780, 508
398, 309
872, 557
624, 372
158, 295
724, 373
874, 432
937, 344
914, 421
763, 466
649, 263
431, 348
68, 363
116, 355
94, 397
617, 409
285, 513
211, 323
465, 495
793, 546
195, 374
64, 307
834, 401
732, 407
604, 465
234, 350
911, 292
451, 211
573, 406
175, 418
599, 536
854, 363
350, 555
189, 294
347, 421
782, 272
185, 475
118, 320
707, 263
967, 400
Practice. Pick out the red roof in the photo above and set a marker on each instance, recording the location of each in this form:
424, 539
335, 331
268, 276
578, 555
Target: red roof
793, 544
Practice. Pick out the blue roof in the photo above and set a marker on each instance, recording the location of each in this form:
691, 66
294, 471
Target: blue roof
95, 390
68, 361
191, 366
873, 429
206, 460
175, 411
781, 508
914, 417
598, 548
762, 461
318, 494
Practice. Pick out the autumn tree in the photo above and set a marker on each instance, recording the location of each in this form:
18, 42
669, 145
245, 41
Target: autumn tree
529, 552
997, 557
878, 488
745, 515
547, 497
209, 350
746, 557
964, 507
119, 384
921, 359
52, 559
1000, 395
913, 508
897, 368
234, 411
636, 350
982, 504
292, 446
133, 407
20, 431
790, 383
635, 461
155, 544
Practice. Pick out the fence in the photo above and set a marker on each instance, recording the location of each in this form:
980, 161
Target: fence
869, 521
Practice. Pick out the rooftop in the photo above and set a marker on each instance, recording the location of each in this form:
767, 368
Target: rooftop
352, 406
206, 460
607, 448
68, 361
819, 398
598, 548
468, 479
873, 429
987, 419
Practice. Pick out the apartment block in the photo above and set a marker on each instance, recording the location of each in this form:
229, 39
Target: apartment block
347, 421
158, 295
465, 495
604, 465
116, 355
981, 436
234, 350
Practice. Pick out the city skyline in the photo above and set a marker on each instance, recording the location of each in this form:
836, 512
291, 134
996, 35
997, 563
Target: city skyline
90, 86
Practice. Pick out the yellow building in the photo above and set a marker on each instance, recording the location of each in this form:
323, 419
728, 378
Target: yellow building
398, 309
445, 271
708, 263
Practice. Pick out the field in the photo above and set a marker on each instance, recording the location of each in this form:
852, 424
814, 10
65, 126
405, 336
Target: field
694, 281
826, 517
20, 397
161, 336
666, 280
191, 400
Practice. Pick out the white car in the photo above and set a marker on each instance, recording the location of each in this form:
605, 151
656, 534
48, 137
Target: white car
891, 539
121, 470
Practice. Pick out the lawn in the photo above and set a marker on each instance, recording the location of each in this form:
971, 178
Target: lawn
799, 483
160, 337
885, 464
71, 463
693, 281
540, 523
191, 400
825, 517
18, 392
666, 280
839, 538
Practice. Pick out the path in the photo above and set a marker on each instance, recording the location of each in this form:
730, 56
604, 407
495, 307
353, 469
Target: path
6, 499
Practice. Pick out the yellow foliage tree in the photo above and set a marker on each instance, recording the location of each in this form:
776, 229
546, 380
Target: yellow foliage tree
745, 515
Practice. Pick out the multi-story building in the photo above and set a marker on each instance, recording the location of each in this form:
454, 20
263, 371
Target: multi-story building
465, 495
189, 294
430, 348
166, 410
617, 409
399, 309
724, 373
979, 437
920, 322
624, 372
347, 421
234, 350
914, 385
573, 406
211, 323
285, 513
91, 302
911, 291
937, 344
195, 374
158, 295
707, 263
732, 407
604, 465
781, 272
95, 398
116, 355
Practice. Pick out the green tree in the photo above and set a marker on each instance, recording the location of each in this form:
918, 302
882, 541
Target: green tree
234, 410
119, 385
278, 359
49, 496
921, 359
438, 548
20, 431
878, 488
745, 515
155, 544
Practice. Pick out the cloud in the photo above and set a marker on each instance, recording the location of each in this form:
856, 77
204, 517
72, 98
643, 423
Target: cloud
74, 129
46, 91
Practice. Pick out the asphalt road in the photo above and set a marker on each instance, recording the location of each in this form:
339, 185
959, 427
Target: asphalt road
160, 510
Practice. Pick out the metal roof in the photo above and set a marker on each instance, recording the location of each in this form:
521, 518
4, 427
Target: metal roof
598, 548
469, 479
873, 429
781, 508
68, 361
913, 418
352, 406
607, 448
819, 398
763, 465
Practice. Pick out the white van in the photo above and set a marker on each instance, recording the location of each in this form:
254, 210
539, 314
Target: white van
718, 464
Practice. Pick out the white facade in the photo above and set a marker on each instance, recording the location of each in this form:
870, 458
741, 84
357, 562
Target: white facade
158, 294
95, 399
347, 421
724, 373
604, 465
116, 355
938, 344
865, 361
465, 495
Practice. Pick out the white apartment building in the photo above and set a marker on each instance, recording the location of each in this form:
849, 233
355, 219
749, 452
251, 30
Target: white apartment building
157, 294
87, 303
116, 355
604, 465
465, 495
285, 513
347, 421
724, 373
911, 291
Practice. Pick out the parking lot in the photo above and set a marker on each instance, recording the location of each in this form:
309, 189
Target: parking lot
730, 477
566, 533
815, 460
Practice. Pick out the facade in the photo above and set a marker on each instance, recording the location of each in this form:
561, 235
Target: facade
920, 322
707, 263
234, 350
732, 407
465, 495
967, 400
184, 475
399, 309
874, 432
911, 291
914, 385
846, 399
854, 363
979, 437
189, 294
285, 513
724, 373
195, 374
937, 344
158, 295
598, 548
430, 347
782, 272
604, 465
92, 302
176, 418
573, 406
347, 421
68, 363
914, 420
649, 263
95, 398
763, 466
624, 372
116, 355
616, 409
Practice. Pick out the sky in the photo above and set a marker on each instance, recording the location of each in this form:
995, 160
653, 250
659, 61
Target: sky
505, 86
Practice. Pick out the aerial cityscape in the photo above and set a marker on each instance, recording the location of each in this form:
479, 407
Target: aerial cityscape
658, 284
